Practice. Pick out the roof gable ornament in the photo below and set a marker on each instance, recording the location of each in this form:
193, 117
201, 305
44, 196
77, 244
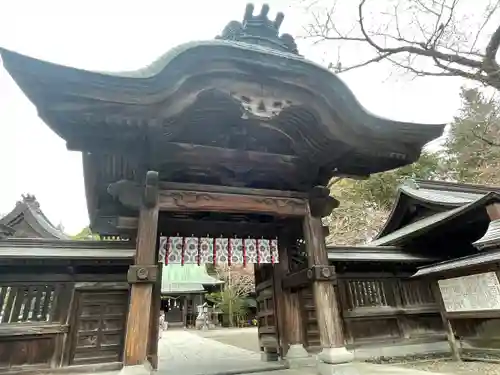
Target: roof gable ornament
30, 200
259, 30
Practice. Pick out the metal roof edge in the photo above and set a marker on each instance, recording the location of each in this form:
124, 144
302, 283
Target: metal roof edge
455, 264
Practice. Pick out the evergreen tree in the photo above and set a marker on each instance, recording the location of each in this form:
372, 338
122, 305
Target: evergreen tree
472, 146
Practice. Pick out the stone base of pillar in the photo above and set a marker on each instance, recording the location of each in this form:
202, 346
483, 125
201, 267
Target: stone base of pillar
336, 361
269, 356
297, 357
144, 369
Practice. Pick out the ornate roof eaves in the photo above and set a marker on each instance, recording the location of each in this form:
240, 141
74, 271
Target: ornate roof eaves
37, 77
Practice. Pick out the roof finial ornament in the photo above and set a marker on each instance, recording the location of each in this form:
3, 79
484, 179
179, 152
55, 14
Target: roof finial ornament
260, 30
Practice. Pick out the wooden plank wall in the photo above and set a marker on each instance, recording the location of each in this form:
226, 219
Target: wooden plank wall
53, 317
379, 309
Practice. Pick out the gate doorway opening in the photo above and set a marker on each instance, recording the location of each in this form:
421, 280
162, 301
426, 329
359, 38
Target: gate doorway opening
229, 244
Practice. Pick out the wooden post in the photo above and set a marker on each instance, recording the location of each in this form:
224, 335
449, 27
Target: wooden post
450, 334
142, 276
279, 273
291, 327
327, 309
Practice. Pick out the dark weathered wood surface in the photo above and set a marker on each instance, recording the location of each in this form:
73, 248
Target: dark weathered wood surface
154, 326
141, 295
327, 309
171, 200
450, 334
279, 272
44, 327
266, 309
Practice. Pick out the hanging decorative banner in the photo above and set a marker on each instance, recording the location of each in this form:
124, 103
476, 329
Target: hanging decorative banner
264, 250
175, 250
191, 250
274, 251
162, 251
206, 250
237, 256
251, 251
221, 250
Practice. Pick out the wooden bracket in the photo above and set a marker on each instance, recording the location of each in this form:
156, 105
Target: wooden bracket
309, 275
321, 273
133, 195
321, 204
142, 274
150, 198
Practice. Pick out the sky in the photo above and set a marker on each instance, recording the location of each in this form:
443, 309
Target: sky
129, 34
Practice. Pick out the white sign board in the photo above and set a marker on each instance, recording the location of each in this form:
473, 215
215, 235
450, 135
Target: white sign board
471, 293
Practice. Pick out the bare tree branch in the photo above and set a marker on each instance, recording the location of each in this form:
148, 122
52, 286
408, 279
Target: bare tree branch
451, 47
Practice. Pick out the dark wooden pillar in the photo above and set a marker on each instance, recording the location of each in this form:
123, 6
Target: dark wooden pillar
327, 309
292, 336
142, 276
279, 272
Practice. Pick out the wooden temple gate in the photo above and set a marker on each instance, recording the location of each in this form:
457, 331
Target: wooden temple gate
286, 213
235, 136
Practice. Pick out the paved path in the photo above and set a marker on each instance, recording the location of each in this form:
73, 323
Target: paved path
186, 353
192, 353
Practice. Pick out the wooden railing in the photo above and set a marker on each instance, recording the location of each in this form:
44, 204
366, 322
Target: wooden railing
379, 309
68, 309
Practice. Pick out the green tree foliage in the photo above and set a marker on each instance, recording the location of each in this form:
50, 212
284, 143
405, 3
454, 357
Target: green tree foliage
471, 154
472, 146
86, 234
365, 204
232, 306
232, 300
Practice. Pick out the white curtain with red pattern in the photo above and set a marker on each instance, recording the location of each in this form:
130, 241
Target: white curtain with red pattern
207, 250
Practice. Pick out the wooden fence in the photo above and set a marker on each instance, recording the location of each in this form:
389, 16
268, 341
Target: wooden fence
62, 303
379, 309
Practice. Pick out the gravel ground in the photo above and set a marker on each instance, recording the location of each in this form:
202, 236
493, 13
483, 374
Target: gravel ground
455, 368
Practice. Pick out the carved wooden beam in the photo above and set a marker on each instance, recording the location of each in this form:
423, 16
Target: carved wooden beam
173, 200
320, 202
309, 275
231, 190
130, 194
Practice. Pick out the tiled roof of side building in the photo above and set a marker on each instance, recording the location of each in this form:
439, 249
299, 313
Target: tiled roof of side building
187, 278
28, 210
